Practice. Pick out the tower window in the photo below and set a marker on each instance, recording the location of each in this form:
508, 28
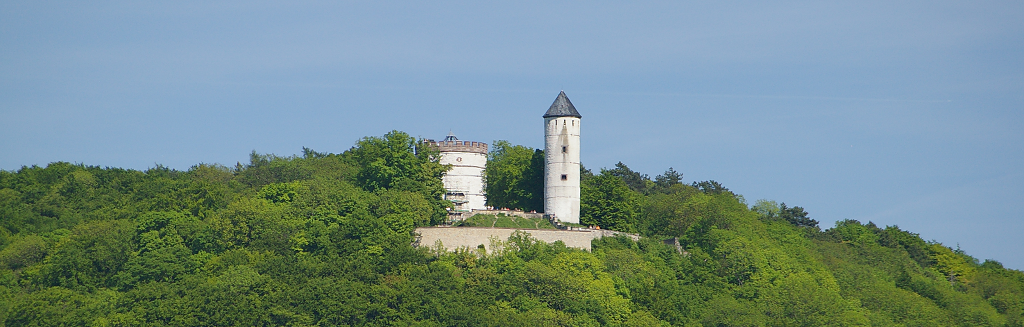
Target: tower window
565, 177
565, 149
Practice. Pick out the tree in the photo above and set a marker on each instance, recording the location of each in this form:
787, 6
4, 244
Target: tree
607, 201
710, 187
91, 256
585, 174
515, 177
668, 178
669, 214
796, 216
394, 160
533, 182
398, 161
766, 209
636, 181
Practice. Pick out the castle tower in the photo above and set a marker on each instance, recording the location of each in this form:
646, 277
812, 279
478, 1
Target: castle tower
464, 183
562, 160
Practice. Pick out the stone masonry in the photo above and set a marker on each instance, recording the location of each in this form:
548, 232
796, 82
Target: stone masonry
472, 237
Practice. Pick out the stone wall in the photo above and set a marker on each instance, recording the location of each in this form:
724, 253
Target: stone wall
472, 237
459, 146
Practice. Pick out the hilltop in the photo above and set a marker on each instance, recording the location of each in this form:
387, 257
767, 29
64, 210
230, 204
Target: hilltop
323, 239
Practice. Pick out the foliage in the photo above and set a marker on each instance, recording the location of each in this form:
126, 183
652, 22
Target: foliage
515, 177
642, 183
771, 210
325, 240
710, 187
397, 161
607, 201
667, 180
636, 181
796, 216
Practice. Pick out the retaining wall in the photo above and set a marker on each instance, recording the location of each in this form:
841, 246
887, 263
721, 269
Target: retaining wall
472, 237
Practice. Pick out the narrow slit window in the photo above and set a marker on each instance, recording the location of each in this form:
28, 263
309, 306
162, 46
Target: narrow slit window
565, 149
565, 177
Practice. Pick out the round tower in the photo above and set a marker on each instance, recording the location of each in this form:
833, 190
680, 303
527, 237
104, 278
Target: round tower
562, 160
464, 183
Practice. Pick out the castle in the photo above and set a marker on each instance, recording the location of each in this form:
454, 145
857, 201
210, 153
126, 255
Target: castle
464, 183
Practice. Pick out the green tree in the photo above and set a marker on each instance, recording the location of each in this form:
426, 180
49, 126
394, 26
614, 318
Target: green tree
23, 252
710, 187
515, 177
766, 209
636, 181
796, 216
665, 182
670, 214
91, 256
398, 161
607, 201
533, 183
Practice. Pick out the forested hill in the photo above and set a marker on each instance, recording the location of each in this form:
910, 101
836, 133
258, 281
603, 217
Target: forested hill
324, 240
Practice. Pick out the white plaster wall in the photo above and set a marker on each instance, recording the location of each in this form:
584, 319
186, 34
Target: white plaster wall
562, 198
466, 175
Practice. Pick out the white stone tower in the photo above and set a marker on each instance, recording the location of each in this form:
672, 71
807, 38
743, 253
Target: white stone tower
562, 160
464, 183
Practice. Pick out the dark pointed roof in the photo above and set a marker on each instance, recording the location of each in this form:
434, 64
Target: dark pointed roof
562, 108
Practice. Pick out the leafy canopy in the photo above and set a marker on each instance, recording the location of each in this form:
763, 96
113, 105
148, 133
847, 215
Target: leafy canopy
325, 239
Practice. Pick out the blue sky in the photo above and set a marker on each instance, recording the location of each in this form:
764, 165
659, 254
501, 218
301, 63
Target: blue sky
908, 113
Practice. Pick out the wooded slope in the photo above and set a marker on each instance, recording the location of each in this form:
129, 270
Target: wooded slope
324, 239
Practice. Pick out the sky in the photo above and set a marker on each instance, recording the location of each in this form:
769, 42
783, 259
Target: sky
907, 113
